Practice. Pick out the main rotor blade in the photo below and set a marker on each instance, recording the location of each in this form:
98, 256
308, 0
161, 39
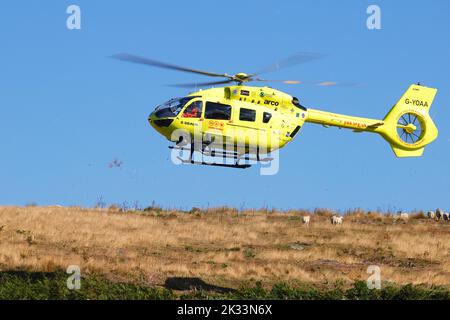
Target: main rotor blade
320, 84
277, 80
201, 84
295, 59
154, 63
336, 84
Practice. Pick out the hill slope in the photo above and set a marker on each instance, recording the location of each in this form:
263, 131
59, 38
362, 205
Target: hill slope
223, 248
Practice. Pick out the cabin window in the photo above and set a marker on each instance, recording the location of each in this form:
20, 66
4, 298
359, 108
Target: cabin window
266, 117
218, 111
247, 114
194, 110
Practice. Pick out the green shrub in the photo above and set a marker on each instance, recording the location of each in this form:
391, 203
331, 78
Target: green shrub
52, 285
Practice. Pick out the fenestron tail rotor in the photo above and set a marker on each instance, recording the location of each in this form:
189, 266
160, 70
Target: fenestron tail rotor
410, 128
239, 78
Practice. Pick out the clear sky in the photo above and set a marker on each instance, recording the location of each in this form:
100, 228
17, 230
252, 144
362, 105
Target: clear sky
67, 110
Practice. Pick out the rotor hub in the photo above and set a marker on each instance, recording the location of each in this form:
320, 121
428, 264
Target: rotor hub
410, 128
241, 75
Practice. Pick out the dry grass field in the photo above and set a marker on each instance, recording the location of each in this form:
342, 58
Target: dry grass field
223, 246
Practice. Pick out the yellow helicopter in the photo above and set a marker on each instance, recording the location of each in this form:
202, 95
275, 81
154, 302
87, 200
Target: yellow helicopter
242, 123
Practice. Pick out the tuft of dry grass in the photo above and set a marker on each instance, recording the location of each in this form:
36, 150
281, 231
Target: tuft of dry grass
224, 246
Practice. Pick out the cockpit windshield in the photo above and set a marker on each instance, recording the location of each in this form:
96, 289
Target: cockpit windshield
172, 107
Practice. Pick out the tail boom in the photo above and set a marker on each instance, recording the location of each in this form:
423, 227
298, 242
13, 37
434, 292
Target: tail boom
342, 121
407, 127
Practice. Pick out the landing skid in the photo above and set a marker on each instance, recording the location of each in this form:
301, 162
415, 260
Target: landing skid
238, 166
223, 154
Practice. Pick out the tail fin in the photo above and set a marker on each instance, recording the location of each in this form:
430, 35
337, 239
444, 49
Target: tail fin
408, 126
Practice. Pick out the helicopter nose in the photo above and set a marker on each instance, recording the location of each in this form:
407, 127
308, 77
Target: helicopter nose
151, 117
155, 121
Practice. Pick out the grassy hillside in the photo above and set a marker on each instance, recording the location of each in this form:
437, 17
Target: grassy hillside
222, 250
38, 285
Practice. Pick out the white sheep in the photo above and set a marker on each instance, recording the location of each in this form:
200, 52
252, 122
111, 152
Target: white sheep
306, 220
431, 215
446, 216
335, 220
439, 214
401, 216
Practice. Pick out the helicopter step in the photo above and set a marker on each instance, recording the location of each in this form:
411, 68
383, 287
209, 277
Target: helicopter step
222, 154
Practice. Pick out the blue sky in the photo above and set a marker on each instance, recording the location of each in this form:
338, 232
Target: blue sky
68, 110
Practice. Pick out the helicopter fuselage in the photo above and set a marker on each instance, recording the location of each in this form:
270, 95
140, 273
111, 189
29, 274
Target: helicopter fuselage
259, 119
237, 120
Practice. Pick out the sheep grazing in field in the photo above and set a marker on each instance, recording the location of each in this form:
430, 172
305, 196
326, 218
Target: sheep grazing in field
335, 220
431, 215
306, 220
445, 216
402, 216
439, 214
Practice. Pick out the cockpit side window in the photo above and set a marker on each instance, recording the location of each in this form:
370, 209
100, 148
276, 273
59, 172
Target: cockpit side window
194, 110
172, 107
